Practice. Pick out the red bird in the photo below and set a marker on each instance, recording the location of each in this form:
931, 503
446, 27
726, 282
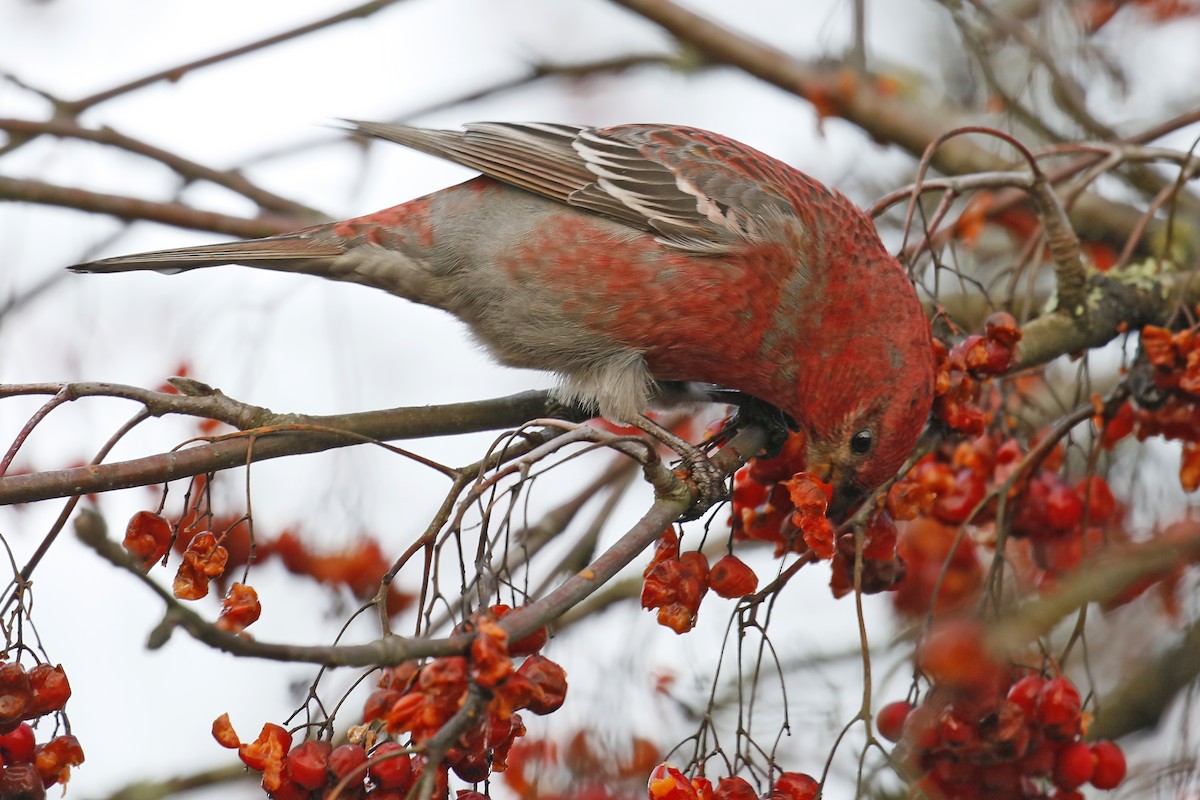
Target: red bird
625, 257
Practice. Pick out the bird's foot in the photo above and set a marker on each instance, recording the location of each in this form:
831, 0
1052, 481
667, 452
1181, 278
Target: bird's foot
709, 480
752, 411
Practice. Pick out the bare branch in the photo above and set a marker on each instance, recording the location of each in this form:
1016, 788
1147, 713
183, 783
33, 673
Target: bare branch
326, 432
179, 71
23, 190
186, 168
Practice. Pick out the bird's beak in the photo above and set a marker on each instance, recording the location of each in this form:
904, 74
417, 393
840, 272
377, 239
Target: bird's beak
845, 496
824, 470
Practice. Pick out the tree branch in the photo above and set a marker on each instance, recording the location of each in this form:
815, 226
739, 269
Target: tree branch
24, 190
327, 432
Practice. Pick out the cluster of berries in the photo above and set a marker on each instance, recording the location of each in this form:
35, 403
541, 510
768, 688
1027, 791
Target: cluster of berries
26, 767
414, 701
675, 583
983, 732
775, 501
962, 369
668, 783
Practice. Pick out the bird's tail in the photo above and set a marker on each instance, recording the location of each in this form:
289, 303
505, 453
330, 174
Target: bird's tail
293, 252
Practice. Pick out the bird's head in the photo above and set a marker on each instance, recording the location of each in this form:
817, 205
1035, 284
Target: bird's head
862, 453
879, 394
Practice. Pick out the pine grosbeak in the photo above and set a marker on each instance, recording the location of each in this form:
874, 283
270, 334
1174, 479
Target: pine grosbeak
627, 257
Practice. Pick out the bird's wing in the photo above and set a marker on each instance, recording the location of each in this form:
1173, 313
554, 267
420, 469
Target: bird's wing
697, 190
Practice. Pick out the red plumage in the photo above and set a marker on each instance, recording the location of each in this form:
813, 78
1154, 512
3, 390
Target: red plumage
623, 256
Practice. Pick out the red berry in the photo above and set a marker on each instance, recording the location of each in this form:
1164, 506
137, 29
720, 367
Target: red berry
966, 492
1001, 327
18, 745
1110, 765
1099, 497
731, 578
472, 767
391, 771
54, 759
668, 783
734, 789
890, 720
1025, 693
49, 688
1074, 765
288, 789
1058, 707
21, 782
346, 759
955, 653
795, 786
1064, 509
307, 763
954, 729
921, 728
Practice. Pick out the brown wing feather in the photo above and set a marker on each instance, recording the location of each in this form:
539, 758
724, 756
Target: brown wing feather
535, 157
288, 253
653, 177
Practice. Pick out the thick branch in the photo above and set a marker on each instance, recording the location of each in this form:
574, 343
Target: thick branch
1100, 580
1117, 302
328, 432
673, 498
1143, 696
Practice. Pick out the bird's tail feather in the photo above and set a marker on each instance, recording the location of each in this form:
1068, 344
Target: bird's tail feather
287, 253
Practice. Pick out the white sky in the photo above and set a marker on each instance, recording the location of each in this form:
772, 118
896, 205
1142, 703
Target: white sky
308, 346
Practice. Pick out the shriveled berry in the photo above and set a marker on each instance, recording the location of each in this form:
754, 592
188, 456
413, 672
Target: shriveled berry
731, 578
21, 782
55, 758
49, 690
668, 783
734, 789
549, 682
15, 695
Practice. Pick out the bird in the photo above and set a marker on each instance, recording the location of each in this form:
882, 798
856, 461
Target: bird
636, 258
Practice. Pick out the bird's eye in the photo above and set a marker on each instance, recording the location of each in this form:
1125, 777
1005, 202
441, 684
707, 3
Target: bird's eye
860, 443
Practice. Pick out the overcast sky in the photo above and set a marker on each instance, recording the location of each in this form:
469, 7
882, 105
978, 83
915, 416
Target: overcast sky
298, 344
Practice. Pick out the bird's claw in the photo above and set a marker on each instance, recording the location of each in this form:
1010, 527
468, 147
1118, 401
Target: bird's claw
705, 476
709, 481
